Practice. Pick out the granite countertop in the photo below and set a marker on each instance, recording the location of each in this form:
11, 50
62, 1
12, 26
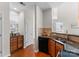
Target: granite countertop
65, 53
70, 34
68, 44
60, 35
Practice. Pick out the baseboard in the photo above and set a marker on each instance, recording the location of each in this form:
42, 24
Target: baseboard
28, 45
36, 50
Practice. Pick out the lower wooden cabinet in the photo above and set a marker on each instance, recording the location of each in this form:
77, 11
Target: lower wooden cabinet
13, 43
51, 47
54, 47
20, 41
59, 47
16, 42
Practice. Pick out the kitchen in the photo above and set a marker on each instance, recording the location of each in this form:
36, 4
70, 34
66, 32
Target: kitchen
51, 27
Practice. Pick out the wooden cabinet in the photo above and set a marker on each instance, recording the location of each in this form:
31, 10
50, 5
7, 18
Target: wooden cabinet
59, 47
20, 41
16, 42
13, 43
54, 47
51, 47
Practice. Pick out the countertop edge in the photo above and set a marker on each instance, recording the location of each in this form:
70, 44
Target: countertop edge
52, 39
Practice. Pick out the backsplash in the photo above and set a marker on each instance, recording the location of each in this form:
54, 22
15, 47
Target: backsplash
45, 31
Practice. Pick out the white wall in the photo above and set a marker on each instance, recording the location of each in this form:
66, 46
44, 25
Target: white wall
67, 13
47, 18
4, 9
39, 19
17, 18
21, 23
39, 24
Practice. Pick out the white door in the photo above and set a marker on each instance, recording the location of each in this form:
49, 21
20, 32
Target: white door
0, 35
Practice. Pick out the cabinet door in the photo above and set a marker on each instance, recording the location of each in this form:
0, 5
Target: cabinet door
13, 44
51, 47
59, 47
20, 44
20, 41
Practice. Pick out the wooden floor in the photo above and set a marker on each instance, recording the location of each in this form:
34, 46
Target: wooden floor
28, 52
41, 54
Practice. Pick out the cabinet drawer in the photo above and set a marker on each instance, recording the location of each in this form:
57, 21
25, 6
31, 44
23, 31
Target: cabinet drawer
60, 46
13, 40
13, 44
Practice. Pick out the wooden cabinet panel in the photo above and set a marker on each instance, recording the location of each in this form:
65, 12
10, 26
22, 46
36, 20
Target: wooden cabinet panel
74, 39
54, 47
16, 42
20, 37
20, 44
13, 44
51, 47
13, 48
59, 47
20, 41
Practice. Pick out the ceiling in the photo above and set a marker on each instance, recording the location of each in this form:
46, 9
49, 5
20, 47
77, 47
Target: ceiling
42, 5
